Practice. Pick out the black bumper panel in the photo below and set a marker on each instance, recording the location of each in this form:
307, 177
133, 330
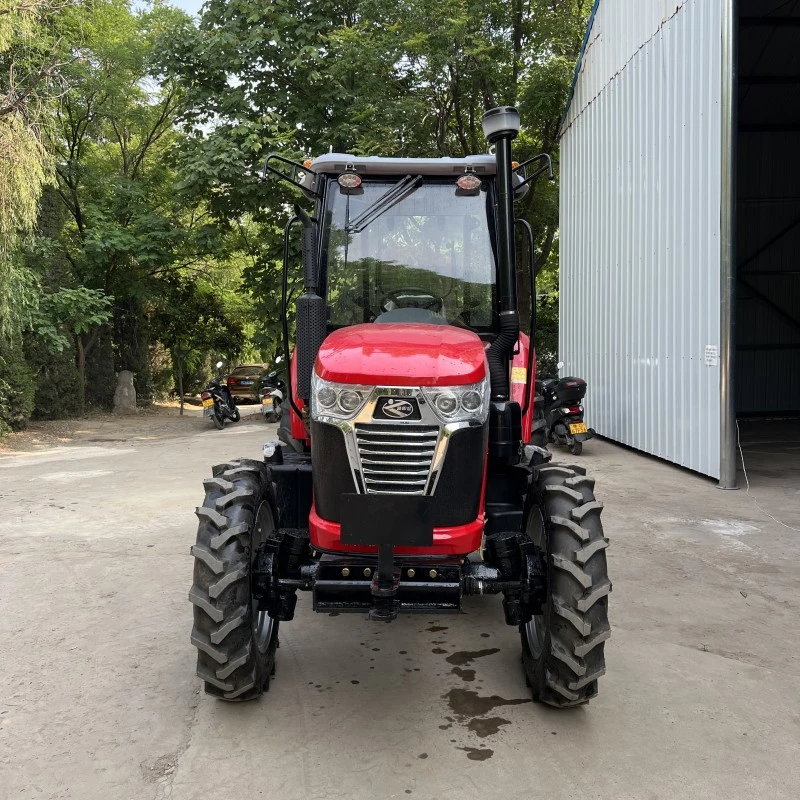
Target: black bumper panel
375, 519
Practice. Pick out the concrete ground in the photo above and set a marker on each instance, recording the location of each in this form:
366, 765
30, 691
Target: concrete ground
98, 698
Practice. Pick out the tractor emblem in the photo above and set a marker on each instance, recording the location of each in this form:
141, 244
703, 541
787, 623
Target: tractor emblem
398, 409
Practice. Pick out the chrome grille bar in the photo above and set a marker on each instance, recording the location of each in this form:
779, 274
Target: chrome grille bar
396, 459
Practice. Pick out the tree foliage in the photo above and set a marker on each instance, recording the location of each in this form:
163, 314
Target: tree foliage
374, 77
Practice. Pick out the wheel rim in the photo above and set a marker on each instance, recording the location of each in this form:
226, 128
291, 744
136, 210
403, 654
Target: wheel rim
261, 623
535, 629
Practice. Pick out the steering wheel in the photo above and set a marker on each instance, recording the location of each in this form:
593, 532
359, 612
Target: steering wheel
414, 297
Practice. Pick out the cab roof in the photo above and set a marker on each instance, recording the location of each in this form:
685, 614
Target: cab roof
373, 165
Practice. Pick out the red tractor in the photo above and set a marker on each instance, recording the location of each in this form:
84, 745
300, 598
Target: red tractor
404, 452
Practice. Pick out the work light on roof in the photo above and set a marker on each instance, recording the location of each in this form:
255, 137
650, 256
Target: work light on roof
349, 180
469, 182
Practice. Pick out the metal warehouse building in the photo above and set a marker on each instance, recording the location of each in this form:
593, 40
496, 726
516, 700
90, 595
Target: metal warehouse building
680, 224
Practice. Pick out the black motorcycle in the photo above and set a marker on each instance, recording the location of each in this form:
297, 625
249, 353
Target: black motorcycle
218, 403
272, 391
563, 411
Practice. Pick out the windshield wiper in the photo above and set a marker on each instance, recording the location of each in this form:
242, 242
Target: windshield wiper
402, 189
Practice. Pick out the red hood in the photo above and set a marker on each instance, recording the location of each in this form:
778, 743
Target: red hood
408, 354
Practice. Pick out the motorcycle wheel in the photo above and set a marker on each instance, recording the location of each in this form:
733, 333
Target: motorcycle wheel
236, 416
576, 448
218, 420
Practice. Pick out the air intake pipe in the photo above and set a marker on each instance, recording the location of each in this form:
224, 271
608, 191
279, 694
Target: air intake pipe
501, 126
311, 316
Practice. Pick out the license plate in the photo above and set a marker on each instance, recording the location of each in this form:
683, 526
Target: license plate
266, 401
578, 427
246, 383
208, 403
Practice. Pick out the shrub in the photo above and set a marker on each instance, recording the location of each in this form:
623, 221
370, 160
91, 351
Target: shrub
58, 386
16, 390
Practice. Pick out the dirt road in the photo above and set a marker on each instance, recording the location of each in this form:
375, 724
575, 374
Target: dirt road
98, 699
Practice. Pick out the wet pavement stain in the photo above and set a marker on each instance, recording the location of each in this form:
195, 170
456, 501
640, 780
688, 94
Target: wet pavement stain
464, 657
466, 703
437, 628
438, 651
485, 635
488, 726
464, 674
477, 753
422, 755
446, 727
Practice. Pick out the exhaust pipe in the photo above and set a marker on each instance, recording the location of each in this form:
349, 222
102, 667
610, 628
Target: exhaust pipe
501, 126
311, 315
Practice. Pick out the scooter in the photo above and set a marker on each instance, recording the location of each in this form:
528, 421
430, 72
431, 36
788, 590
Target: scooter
272, 390
218, 403
563, 411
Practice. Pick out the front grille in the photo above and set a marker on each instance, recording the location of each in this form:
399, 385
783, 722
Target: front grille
396, 459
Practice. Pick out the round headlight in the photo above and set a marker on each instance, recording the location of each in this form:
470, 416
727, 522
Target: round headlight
447, 403
326, 397
349, 400
471, 401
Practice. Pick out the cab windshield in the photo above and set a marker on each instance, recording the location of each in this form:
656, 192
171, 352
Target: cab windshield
425, 257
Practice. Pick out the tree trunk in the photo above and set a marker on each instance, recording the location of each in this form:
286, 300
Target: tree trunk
81, 358
180, 382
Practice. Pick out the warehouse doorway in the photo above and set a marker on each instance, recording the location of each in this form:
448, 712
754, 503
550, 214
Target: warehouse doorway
767, 309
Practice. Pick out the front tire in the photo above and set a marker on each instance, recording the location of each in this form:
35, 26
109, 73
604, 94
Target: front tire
563, 648
235, 641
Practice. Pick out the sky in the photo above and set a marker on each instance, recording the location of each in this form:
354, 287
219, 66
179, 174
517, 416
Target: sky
190, 6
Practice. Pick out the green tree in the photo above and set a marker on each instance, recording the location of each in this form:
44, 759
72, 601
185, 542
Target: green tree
31, 54
193, 324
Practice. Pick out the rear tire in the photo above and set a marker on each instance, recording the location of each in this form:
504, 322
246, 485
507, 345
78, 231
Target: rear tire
219, 422
235, 642
563, 648
576, 448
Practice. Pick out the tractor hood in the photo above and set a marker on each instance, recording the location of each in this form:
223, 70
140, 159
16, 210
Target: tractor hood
402, 354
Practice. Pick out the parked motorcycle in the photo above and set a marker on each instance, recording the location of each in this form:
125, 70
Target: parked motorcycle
217, 401
272, 391
563, 411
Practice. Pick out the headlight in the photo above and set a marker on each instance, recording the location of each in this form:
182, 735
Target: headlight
459, 403
339, 400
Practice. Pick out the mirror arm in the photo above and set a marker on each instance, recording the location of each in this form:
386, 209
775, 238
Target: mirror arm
546, 167
284, 315
292, 176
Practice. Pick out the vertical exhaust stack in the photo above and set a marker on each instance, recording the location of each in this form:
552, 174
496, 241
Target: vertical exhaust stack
501, 126
311, 316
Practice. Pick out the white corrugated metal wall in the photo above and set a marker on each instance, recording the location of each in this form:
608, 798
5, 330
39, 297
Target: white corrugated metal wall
640, 227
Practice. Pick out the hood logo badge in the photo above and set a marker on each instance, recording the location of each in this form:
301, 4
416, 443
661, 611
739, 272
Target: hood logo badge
399, 409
